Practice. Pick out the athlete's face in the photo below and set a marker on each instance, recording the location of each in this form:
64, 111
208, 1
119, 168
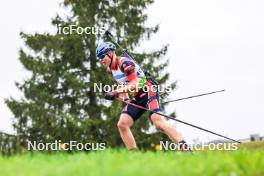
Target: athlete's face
107, 59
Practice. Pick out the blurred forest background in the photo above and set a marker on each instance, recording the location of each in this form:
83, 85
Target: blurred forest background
59, 102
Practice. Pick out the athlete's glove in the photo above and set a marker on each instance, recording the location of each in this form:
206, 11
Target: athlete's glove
111, 95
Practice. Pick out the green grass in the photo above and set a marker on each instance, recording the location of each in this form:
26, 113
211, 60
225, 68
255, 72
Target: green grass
121, 162
252, 145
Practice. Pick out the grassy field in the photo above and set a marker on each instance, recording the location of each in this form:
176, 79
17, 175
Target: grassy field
252, 145
121, 162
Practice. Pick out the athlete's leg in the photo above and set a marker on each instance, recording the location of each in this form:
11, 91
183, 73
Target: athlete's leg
158, 120
161, 124
124, 124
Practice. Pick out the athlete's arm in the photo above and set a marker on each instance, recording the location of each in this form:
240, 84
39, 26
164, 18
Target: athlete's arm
132, 85
128, 67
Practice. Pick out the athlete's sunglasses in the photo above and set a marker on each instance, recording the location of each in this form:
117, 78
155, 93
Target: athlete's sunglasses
103, 56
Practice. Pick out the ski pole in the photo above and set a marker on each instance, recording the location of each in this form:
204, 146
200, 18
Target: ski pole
178, 120
179, 99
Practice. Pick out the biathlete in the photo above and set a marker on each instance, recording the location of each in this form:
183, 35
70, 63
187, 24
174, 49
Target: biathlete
128, 73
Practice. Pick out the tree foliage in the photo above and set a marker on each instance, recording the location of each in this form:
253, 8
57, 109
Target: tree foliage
59, 102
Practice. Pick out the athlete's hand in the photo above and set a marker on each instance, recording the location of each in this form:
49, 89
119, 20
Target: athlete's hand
111, 95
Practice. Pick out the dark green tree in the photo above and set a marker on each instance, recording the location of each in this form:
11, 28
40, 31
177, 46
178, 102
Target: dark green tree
59, 102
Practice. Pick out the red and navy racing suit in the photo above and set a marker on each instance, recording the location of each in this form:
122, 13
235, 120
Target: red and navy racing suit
147, 97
